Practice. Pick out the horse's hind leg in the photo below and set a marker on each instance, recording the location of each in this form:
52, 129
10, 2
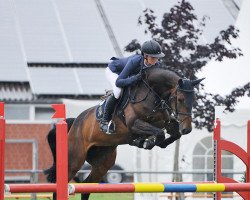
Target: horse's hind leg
76, 154
76, 157
101, 160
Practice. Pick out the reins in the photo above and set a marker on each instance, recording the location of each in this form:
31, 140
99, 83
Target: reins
160, 103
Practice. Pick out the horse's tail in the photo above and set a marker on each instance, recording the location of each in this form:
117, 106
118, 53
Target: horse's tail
51, 137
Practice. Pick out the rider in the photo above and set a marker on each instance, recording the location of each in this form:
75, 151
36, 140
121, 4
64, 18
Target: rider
122, 72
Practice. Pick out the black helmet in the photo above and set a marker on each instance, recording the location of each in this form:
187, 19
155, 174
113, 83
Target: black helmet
152, 48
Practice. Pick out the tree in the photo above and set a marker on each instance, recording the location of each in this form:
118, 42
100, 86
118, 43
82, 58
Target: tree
180, 35
180, 40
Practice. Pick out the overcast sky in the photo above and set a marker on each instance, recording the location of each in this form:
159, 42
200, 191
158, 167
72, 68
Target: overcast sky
222, 77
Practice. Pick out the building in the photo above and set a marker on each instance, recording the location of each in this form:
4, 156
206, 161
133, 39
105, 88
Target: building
52, 51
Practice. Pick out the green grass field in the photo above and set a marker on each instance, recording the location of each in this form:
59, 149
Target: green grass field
120, 196
108, 196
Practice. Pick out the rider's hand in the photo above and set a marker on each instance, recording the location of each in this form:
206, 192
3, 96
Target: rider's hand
138, 77
135, 78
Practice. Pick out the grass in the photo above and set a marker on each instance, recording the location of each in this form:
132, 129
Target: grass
107, 196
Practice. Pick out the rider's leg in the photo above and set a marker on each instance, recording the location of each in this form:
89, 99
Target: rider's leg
107, 115
110, 103
112, 77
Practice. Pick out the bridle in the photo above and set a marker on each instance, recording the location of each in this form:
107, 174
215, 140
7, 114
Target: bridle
175, 96
176, 112
164, 104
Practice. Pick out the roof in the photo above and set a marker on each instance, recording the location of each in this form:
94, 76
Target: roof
15, 92
80, 35
70, 81
21, 93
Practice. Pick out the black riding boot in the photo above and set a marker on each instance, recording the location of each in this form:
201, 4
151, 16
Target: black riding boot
105, 124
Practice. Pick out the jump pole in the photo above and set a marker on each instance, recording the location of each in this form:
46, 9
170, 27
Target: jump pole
61, 186
61, 153
2, 146
158, 187
220, 145
133, 187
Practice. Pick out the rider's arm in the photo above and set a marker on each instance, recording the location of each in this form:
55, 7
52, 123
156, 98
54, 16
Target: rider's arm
125, 78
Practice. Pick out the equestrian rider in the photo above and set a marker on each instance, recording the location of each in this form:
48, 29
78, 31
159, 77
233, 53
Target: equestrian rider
122, 72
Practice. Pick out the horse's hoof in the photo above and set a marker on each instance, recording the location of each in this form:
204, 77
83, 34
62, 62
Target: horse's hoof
162, 145
149, 143
137, 143
161, 137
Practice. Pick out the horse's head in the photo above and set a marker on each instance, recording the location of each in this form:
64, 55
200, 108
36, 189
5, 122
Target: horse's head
181, 102
175, 94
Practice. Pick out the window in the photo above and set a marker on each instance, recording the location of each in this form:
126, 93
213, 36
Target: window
21, 113
17, 112
203, 160
43, 113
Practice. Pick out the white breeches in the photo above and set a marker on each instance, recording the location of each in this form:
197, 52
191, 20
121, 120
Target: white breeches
111, 76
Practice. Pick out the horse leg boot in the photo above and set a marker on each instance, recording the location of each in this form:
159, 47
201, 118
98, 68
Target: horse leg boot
169, 140
107, 115
138, 142
156, 135
173, 130
94, 177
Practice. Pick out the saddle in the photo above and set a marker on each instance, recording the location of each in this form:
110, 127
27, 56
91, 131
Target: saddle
119, 108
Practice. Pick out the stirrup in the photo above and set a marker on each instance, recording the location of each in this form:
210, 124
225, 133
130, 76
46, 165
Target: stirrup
111, 128
107, 127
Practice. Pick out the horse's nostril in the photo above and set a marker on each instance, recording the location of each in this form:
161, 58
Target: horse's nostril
186, 131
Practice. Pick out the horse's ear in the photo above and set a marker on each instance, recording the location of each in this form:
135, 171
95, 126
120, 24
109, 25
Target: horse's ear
197, 81
180, 82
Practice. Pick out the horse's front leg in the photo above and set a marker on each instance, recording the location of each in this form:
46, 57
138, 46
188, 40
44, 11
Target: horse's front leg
172, 128
169, 140
154, 135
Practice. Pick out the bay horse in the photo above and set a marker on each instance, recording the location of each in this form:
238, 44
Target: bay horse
161, 100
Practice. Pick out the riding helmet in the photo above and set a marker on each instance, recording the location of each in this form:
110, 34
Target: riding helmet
152, 48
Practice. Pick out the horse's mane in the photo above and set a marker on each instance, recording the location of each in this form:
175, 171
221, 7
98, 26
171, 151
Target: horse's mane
178, 72
162, 72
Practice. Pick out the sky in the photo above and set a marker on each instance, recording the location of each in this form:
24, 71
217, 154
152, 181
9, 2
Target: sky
222, 77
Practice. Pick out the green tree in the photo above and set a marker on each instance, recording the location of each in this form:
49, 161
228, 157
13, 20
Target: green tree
180, 37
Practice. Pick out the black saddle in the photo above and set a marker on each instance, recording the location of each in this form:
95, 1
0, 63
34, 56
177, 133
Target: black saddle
119, 108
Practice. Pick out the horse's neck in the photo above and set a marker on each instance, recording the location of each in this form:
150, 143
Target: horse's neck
162, 80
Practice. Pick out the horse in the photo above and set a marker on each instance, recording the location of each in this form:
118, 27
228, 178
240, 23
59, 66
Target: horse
160, 102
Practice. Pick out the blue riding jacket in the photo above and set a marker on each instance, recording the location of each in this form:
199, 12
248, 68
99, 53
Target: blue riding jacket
126, 68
